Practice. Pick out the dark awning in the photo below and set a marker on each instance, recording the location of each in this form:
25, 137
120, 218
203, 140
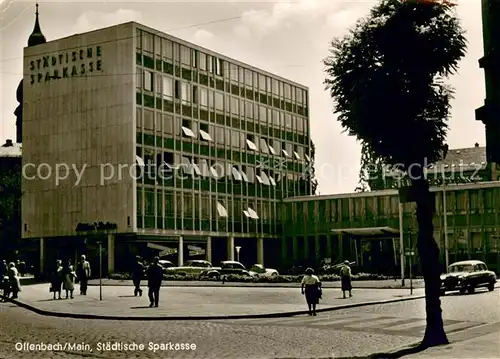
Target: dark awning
367, 231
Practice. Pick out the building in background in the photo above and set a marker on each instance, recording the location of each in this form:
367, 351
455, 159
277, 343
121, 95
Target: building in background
186, 151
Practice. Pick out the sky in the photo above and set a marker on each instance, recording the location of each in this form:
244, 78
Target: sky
288, 38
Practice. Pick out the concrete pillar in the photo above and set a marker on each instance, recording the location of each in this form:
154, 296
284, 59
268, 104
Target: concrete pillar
111, 253
341, 247
260, 250
208, 251
42, 255
329, 246
180, 252
230, 249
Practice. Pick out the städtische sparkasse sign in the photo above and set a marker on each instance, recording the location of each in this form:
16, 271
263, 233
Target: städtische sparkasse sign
68, 64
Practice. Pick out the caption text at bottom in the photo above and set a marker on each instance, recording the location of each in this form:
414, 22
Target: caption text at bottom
104, 346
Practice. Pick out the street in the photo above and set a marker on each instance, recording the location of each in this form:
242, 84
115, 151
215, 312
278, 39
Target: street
345, 333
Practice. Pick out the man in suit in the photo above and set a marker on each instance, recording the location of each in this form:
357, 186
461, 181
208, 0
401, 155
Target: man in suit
137, 275
155, 277
83, 274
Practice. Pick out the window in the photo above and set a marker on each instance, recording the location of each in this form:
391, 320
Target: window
195, 94
168, 87
186, 166
300, 124
167, 49
148, 120
203, 61
185, 55
194, 58
275, 87
235, 105
177, 89
235, 138
209, 63
283, 149
262, 83
250, 143
236, 174
204, 167
288, 120
248, 109
288, 91
168, 124
296, 152
138, 118
203, 96
250, 213
221, 210
148, 81
263, 145
276, 117
271, 146
158, 83
265, 178
233, 72
186, 129
219, 135
158, 121
248, 78
185, 92
218, 66
298, 96
262, 113
219, 101
211, 99
147, 42
204, 133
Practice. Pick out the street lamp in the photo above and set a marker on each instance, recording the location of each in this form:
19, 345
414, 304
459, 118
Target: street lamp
238, 248
100, 269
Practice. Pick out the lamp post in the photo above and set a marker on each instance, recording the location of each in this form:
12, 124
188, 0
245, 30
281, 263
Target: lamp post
238, 248
445, 225
401, 244
100, 269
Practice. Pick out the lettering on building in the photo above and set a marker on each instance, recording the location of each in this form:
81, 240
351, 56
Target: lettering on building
75, 63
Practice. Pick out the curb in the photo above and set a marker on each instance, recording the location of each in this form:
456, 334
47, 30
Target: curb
190, 318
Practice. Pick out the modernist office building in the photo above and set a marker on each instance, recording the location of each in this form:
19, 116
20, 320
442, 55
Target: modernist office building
218, 144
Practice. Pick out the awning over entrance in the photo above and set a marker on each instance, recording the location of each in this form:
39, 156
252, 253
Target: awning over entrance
368, 231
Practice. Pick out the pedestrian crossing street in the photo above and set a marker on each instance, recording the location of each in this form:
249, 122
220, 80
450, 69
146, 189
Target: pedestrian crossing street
402, 326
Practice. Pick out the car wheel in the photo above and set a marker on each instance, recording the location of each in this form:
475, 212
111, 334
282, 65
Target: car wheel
462, 291
274, 274
471, 290
491, 287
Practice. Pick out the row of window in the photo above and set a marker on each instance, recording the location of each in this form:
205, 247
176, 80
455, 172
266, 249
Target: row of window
165, 165
189, 204
168, 88
168, 50
220, 135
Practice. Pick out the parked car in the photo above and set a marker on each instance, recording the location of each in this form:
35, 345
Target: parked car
466, 276
226, 268
165, 265
194, 267
261, 271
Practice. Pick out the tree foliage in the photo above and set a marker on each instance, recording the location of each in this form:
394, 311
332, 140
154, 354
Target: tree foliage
390, 94
10, 208
313, 179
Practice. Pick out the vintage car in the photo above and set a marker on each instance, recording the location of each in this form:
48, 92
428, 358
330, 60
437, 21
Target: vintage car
165, 264
226, 268
466, 276
261, 271
193, 267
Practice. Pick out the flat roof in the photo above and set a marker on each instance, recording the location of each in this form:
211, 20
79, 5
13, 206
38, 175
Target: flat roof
366, 231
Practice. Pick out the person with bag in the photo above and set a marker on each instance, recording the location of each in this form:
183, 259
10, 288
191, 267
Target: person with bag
69, 280
345, 278
15, 285
311, 287
155, 277
137, 275
83, 273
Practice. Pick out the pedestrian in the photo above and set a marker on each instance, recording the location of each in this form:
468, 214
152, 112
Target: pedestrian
6, 287
311, 287
22, 268
345, 278
155, 277
69, 280
83, 273
15, 285
57, 280
3, 268
137, 275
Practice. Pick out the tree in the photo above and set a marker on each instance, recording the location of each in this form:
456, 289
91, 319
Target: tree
386, 79
10, 209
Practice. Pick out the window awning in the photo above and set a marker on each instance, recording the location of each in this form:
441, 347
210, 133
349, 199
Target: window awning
367, 231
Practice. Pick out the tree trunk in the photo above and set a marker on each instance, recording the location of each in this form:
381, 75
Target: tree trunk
428, 251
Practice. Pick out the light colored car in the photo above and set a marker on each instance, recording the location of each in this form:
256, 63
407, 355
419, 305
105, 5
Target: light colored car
165, 264
466, 276
226, 268
193, 267
261, 271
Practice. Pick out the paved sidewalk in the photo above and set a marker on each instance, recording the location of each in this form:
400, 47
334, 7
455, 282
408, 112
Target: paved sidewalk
484, 347
365, 284
199, 303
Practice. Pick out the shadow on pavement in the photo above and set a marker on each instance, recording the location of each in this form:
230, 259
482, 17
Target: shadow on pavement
127, 296
141, 307
413, 349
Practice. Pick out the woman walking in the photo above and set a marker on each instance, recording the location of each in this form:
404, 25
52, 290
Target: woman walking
69, 280
15, 285
311, 287
57, 280
345, 278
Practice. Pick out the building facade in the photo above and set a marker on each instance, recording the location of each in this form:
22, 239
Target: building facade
187, 151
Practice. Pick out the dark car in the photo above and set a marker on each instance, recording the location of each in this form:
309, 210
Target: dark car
466, 276
226, 268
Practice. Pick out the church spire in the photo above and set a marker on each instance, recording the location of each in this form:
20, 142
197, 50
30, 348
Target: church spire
36, 37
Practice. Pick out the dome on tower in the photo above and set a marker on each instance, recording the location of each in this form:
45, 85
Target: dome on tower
36, 37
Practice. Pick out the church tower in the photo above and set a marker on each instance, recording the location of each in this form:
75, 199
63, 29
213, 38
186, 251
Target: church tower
36, 38
489, 114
